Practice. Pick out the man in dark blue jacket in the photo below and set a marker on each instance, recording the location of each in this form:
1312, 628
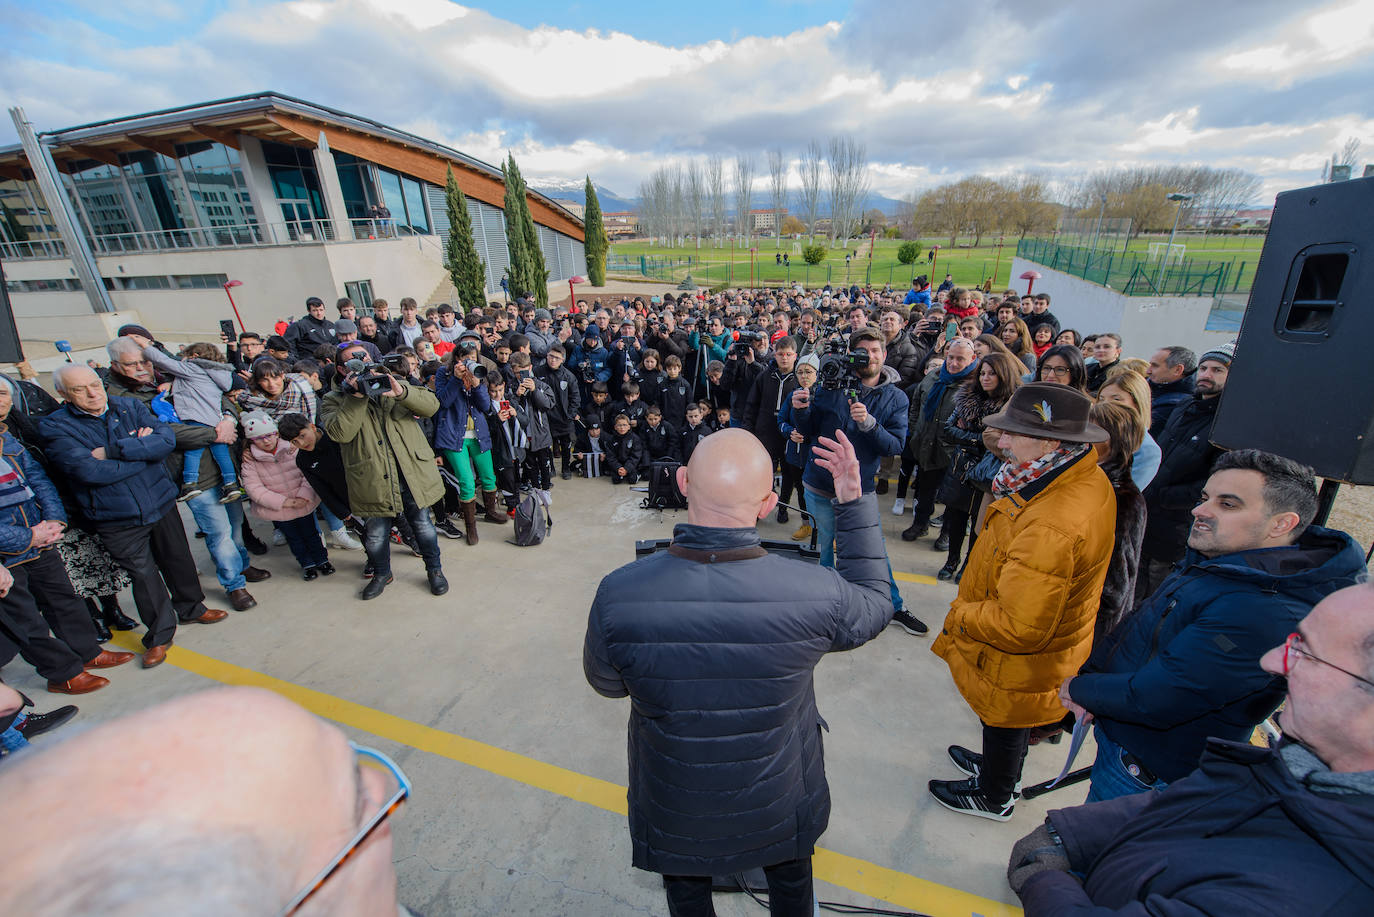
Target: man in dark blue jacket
1286, 830
726, 770
112, 451
1185, 666
32, 521
875, 422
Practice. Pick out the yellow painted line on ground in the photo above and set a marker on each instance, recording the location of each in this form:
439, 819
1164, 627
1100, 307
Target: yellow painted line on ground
915, 578
848, 872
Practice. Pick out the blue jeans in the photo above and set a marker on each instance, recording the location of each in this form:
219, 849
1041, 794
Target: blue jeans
332, 521
1110, 778
222, 524
822, 512
12, 740
377, 536
190, 464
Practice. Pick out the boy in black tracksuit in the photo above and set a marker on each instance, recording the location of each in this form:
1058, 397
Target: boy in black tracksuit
624, 452
694, 432
660, 440
630, 405
675, 394
651, 380
567, 401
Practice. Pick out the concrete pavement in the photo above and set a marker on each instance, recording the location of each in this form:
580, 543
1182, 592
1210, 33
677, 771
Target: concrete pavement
519, 767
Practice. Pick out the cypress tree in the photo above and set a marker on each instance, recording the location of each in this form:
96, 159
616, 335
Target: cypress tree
597, 242
517, 274
537, 274
465, 267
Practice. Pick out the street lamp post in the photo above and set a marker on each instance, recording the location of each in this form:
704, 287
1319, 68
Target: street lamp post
1179, 198
572, 294
227, 286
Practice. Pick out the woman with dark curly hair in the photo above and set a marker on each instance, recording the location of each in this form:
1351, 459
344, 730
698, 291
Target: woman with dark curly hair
992, 384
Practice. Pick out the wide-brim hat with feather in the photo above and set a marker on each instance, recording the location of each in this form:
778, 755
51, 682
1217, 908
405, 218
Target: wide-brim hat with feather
1047, 410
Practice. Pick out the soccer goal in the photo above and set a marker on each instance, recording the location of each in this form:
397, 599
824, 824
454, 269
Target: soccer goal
1171, 253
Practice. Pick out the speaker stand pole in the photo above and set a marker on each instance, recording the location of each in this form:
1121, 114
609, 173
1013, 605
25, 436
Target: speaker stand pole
1326, 498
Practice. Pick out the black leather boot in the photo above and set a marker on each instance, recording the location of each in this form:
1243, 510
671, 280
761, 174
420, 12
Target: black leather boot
115, 617
102, 631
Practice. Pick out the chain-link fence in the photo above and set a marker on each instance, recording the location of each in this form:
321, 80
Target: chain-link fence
767, 272
1136, 275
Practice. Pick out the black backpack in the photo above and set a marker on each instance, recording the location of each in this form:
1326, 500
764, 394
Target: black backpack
532, 521
663, 489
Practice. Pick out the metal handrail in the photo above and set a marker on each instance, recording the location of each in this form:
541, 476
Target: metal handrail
238, 235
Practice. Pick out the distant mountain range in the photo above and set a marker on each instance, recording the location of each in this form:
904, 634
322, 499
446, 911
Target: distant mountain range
571, 190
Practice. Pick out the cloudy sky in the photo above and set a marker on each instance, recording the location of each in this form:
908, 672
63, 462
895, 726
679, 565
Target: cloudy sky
615, 88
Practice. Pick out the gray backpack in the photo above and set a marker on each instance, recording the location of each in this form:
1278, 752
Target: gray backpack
532, 521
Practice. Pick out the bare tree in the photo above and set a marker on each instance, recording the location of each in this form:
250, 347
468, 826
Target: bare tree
715, 189
777, 182
696, 193
810, 167
744, 192
678, 206
1226, 193
847, 160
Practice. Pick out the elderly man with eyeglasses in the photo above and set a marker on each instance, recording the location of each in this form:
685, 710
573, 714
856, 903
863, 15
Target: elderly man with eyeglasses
294, 822
112, 452
1185, 666
1282, 830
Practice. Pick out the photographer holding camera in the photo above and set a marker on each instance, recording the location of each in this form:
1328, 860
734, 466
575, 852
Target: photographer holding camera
390, 466
859, 396
667, 338
745, 361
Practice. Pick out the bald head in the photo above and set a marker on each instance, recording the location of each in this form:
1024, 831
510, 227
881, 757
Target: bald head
235, 827
730, 478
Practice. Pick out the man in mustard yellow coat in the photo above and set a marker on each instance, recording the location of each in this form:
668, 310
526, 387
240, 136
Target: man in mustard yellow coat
1023, 619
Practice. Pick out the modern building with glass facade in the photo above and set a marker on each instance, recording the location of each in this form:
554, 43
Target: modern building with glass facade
290, 198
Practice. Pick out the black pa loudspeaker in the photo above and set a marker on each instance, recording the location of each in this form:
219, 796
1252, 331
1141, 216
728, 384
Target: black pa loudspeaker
1302, 383
11, 351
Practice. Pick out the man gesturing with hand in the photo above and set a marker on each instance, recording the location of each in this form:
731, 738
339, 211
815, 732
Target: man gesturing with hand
726, 770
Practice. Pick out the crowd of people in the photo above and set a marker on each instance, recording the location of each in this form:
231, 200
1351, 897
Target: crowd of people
1112, 565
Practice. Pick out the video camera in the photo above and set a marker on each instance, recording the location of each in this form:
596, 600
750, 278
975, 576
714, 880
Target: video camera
745, 343
840, 365
370, 379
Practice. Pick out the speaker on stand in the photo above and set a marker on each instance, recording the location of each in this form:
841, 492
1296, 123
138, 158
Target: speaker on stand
1302, 383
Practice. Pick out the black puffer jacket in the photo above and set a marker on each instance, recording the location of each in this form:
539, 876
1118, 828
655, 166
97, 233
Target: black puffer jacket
903, 356
1243, 834
1185, 464
1165, 399
762, 407
726, 769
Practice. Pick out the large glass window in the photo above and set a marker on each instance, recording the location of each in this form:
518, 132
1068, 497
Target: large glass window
356, 180
157, 189
102, 196
218, 189
296, 185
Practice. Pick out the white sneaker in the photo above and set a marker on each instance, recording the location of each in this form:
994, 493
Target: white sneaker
899, 506
341, 539
278, 539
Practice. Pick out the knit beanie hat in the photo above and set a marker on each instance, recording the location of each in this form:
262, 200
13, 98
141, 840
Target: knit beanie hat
810, 360
258, 423
1223, 354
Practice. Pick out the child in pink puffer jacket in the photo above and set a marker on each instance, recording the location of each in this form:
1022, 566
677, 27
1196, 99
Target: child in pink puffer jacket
280, 493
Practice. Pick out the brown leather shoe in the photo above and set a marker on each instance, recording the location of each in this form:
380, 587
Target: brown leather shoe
84, 683
241, 600
256, 575
155, 655
210, 616
108, 659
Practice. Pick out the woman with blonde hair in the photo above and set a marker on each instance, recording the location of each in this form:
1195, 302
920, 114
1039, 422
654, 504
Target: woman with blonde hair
1130, 390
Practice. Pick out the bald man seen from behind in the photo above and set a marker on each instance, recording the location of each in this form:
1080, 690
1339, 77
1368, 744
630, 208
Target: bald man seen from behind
210, 825
715, 641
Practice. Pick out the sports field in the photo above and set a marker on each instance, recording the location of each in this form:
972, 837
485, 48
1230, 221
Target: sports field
738, 266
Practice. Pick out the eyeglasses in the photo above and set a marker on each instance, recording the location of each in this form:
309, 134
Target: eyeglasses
1293, 648
133, 362
398, 792
1056, 371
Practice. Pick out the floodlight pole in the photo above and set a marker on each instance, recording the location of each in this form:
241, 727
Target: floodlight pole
1159, 276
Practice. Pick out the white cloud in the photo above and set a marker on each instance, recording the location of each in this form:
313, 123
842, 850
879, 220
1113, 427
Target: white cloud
997, 94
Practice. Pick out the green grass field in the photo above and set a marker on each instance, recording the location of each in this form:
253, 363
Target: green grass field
725, 266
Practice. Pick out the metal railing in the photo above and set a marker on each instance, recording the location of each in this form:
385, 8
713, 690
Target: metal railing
766, 272
1136, 275
242, 235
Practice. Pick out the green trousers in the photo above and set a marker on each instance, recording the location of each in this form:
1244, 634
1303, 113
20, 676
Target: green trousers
461, 463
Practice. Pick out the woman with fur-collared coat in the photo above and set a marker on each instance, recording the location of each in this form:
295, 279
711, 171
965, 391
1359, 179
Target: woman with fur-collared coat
1027, 604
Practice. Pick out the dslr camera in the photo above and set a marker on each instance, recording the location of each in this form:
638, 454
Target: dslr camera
371, 379
746, 342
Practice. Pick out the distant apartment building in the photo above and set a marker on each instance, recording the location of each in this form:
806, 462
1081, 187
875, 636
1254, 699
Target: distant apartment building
764, 220
291, 198
621, 223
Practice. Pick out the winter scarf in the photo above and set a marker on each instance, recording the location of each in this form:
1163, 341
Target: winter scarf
937, 391
1014, 477
972, 404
